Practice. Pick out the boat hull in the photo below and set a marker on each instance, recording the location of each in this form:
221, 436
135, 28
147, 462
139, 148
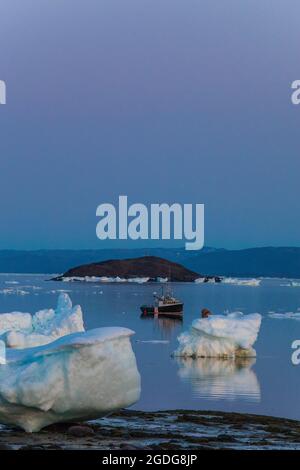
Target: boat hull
170, 311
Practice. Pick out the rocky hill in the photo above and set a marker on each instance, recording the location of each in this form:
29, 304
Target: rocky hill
146, 266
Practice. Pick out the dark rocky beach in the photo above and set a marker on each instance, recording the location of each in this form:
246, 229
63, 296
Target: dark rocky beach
162, 430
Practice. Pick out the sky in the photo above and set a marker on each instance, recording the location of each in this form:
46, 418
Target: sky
183, 101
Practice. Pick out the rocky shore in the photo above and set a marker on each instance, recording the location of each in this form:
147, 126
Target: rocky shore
163, 430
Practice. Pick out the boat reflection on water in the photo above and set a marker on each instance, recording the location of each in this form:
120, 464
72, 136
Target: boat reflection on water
167, 326
221, 379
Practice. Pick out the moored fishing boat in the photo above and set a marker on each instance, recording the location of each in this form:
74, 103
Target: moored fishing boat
165, 305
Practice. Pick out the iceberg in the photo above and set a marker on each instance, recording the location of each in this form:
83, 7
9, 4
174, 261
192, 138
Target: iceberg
162, 279
285, 316
229, 335
241, 282
21, 330
81, 376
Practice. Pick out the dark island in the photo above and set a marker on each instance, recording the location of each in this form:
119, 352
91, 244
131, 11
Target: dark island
151, 267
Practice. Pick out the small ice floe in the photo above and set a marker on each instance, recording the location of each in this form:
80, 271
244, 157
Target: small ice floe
80, 376
13, 291
21, 330
205, 280
80, 279
285, 316
295, 284
12, 282
162, 279
139, 280
241, 282
229, 335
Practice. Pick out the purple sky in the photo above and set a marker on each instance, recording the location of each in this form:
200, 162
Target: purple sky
162, 100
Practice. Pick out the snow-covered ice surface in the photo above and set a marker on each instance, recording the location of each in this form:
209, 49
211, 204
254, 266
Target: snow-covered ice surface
286, 315
253, 282
21, 330
229, 335
81, 376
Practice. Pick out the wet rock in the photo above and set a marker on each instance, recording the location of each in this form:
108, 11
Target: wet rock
129, 447
81, 431
31, 447
5, 447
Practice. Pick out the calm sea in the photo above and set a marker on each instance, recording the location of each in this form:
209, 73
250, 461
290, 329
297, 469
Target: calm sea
268, 385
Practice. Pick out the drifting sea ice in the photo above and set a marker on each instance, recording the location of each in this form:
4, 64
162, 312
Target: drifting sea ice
241, 282
81, 376
13, 291
231, 335
286, 315
21, 330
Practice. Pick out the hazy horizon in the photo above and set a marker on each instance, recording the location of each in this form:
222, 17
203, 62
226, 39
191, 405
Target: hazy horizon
150, 247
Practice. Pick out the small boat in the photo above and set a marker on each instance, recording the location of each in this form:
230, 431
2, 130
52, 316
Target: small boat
166, 305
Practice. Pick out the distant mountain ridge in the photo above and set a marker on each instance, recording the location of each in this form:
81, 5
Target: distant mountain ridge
254, 262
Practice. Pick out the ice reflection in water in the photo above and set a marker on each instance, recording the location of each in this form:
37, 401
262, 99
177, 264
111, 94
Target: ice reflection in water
226, 379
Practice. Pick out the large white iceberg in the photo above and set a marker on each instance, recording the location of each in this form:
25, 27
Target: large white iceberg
231, 335
21, 330
81, 376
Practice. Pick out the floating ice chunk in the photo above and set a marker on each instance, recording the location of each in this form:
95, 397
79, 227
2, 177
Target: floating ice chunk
220, 336
241, 282
285, 316
78, 377
12, 291
21, 330
139, 280
162, 279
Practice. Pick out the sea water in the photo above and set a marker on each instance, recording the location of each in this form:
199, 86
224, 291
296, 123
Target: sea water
269, 384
